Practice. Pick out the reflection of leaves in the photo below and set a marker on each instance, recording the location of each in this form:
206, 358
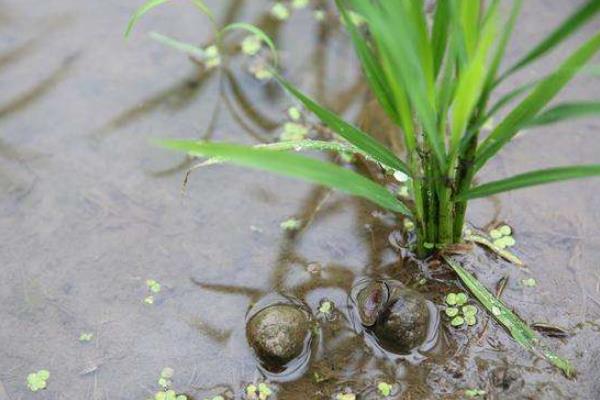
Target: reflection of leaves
27, 98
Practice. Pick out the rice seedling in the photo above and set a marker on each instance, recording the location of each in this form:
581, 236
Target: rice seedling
434, 76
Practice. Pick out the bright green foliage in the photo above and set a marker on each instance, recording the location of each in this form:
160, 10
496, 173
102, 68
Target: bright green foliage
459, 311
38, 380
470, 393
291, 224
384, 389
433, 77
86, 337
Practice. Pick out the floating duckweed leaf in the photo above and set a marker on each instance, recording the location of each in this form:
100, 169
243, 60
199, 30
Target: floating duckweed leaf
326, 307
345, 396
164, 382
505, 230
299, 4
153, 285
149, 300
251, 390
474, 392
293, 131
461, 298
38, 380
319, 15
469, 310
451, 299
529, 282
168, 395
294, 113
264, 391
291, 224
213, 58
451, 311
470, 320
409, 226
251, 45
457, 321
495, 234
86, 336
167, 373
384, 389
260, 70
280, 12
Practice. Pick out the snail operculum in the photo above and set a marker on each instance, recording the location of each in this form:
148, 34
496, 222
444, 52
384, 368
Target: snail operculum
372, 301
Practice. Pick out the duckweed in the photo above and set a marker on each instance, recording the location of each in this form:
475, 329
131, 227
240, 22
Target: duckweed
38, 380
86, 337
384, 389
291, 224
279, 11
251, 45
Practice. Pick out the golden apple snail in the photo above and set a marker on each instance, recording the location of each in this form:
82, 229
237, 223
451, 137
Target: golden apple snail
398, 318
278, 329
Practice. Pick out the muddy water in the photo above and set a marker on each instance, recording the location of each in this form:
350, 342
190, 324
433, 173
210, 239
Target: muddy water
89, 211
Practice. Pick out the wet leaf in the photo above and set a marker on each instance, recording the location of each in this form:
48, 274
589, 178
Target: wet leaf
518, 329
294, 165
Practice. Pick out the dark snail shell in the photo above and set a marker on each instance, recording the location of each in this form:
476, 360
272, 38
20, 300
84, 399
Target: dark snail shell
397, 317
403, 324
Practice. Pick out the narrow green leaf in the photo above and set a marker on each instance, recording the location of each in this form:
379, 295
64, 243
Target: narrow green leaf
294, 165
405, 51
566, 111
150, 4
204, 8
504, 39
348, 131
303, 145
472, 80
469, 19
517, 328
368, 60
178, 45
532, 104
440, 33
530, 179
256, 31
568, 27
147, 6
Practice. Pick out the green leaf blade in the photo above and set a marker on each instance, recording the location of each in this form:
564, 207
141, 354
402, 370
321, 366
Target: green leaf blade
348, 131
566, 111
293, 165
528, 179
178, 45
143, 9
517, 328
579, 18
545, 91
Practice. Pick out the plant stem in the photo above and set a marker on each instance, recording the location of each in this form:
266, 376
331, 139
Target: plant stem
466, 172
